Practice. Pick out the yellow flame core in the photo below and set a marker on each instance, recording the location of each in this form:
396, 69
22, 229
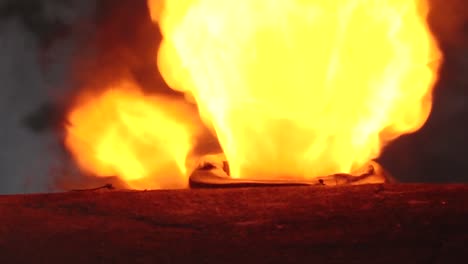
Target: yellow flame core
122, 132
300, 88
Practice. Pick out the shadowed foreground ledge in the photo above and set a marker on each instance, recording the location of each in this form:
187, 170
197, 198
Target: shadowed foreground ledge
401, 223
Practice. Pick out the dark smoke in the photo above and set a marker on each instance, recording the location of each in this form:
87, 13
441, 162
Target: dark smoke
439, 151
37, 43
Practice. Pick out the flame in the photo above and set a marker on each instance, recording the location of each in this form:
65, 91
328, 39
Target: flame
141, 138
300, 88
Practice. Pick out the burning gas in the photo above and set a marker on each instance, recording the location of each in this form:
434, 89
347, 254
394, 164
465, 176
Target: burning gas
300, 88
291, 88
143, 139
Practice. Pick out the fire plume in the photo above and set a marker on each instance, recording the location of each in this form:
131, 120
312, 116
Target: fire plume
300, 88
291, 89
144, 139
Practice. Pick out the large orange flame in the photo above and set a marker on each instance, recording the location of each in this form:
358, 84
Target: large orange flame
300, 88
291, 88
144, 139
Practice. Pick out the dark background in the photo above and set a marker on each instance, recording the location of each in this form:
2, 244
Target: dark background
49, 49
439, 151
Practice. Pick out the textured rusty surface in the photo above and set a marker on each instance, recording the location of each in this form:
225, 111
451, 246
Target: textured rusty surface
395, 223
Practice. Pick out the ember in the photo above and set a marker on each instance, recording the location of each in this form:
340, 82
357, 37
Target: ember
292, 89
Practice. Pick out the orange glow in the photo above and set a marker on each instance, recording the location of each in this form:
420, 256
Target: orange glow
300, 88
141, 138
